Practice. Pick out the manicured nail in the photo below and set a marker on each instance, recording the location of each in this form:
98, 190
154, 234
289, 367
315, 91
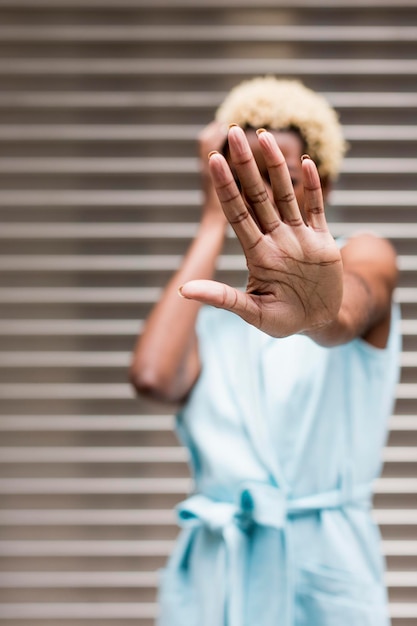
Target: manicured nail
210, 154
305, 156
233, 124
180, 291
268, 140
239, 142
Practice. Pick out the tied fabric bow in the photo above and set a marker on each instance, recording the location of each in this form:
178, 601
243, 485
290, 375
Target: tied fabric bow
267, 506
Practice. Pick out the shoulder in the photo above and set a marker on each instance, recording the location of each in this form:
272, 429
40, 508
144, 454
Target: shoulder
367, 245
368, 254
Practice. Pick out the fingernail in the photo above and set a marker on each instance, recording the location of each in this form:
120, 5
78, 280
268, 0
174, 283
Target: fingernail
260, 130
305, 156
233, 124
239, 142
180, 291
210, 154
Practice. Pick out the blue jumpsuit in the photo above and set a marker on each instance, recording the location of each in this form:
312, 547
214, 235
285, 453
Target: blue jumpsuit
285, 441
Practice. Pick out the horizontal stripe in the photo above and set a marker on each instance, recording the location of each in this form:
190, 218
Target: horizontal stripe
100, 359
104, 327
111, 391
145, 517
73, 610
178, 486
149, 547
123, 423
90, 295
54, 263
183, 99
387, 67
178, 165
102, 423
185, 4
172, 132
175, 230
120, 611
101, 454
148, 454
115, 579
208, 34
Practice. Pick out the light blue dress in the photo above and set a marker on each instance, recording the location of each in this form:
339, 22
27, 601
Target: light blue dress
285, 441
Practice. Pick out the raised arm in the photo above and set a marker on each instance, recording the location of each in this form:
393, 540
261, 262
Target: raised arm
299, 282
165, 362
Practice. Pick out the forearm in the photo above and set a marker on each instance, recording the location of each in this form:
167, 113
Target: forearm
165, 361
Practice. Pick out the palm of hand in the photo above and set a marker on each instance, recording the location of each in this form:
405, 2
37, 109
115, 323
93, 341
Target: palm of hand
294, 281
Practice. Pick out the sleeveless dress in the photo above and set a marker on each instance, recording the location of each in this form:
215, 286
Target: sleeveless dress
285, 441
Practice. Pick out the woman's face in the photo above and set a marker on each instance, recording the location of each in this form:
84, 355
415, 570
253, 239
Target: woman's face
292, 148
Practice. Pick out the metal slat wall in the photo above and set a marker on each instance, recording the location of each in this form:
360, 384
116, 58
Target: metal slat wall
100, 106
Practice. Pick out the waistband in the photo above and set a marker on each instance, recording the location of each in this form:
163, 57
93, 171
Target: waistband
264, 505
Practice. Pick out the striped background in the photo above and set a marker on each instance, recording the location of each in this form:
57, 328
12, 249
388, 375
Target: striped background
100, 105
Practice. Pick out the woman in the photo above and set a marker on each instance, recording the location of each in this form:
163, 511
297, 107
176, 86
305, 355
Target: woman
285, 389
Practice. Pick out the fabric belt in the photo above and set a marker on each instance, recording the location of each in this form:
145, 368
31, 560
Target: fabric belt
265, 505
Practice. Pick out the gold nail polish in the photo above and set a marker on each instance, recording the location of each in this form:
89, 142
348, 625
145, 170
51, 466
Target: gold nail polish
305, 156
210, 154
232, 124
260, 130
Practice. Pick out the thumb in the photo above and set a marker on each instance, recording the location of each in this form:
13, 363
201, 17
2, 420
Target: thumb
224, 297
214, 293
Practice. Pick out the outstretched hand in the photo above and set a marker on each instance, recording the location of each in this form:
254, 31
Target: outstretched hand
295, 268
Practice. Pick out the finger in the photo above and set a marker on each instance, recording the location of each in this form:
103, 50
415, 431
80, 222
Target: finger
223, 297
313, 196
232, 202
251, 180
282, 187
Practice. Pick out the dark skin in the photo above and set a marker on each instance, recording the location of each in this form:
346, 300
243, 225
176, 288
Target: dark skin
298, 279
292, 146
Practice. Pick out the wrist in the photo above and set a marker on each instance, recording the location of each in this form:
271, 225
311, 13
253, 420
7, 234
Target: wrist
330, 333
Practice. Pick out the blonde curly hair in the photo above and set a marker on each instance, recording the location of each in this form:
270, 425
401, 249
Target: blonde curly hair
280, 104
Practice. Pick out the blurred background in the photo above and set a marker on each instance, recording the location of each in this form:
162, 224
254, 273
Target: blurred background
101, 102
